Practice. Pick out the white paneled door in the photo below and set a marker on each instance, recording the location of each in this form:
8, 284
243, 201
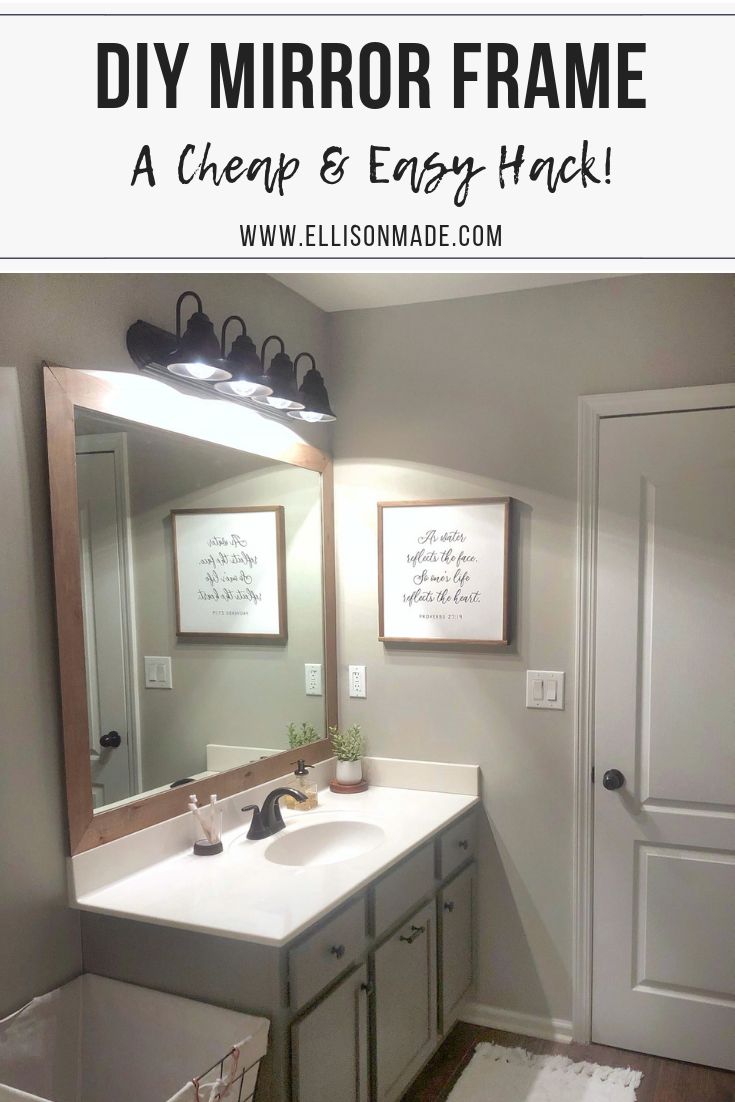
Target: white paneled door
664, 792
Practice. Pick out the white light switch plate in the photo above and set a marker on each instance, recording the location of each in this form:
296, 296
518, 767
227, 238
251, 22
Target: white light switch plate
357, 681
158, 674
313, 678
545, 689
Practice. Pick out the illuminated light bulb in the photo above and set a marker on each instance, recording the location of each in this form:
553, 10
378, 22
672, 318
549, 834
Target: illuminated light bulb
200, 371
275, 402
242, 388
311, 415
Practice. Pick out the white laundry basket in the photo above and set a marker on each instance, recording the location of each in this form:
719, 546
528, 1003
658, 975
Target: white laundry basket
98, 1040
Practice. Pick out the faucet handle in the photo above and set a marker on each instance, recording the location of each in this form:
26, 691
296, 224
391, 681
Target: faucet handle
257, 827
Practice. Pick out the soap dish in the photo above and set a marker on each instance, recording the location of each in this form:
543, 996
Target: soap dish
335, 786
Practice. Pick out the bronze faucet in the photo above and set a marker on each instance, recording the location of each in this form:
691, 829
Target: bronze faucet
267, 820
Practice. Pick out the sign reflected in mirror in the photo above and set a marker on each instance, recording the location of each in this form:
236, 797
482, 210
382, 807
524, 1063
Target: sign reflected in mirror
229, 572
191, 556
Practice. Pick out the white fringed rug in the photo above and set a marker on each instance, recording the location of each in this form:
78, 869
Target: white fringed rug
497, 1074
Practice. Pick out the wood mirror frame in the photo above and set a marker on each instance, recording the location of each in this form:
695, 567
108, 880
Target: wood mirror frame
108, 393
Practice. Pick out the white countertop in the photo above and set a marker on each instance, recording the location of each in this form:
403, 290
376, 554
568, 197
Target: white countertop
241, 894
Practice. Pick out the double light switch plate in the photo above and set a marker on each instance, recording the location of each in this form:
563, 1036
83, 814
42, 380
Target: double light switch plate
544, 689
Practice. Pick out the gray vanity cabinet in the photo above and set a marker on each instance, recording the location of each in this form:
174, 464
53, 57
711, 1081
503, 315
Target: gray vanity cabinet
357, 1003
411, 933
329, 1046
456, 921
405, 1003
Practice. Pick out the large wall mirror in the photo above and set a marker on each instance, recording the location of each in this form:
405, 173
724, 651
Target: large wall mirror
193, 554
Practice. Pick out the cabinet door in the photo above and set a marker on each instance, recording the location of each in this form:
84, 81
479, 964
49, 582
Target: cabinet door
329, 1049
405, 1003
456, 944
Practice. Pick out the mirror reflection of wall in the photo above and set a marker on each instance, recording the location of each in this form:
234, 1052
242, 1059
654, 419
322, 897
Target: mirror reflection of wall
230, 701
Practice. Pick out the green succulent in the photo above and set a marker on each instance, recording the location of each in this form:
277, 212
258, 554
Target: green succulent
348, 745
302, 737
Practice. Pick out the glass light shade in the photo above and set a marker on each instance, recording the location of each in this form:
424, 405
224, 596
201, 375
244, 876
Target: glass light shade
198, 354
280, 378
311, 415
314, 395
243, 388
276, 402
203, 372
245, 367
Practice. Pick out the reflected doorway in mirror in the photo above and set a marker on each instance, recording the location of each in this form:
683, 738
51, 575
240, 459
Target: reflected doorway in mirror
106, 568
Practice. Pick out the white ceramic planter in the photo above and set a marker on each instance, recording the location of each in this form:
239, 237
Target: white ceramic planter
349, 772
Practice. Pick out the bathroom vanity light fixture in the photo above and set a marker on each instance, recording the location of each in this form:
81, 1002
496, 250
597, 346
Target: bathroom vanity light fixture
313, 394
202, 364
281, 376
198, 354
244, 365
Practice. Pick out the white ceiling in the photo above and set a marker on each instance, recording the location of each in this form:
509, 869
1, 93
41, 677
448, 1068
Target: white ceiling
332, 291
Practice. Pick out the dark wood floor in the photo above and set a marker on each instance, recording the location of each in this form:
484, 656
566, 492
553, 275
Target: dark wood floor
663, 1080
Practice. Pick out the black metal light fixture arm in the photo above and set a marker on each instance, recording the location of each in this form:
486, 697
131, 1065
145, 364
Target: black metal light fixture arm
300, 357
232, 317
273, 337
179, 301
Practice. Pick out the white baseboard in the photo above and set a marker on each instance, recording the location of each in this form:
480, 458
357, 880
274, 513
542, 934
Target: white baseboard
531, 1025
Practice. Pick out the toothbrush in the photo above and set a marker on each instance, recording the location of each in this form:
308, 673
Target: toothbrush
196, 812
213, 818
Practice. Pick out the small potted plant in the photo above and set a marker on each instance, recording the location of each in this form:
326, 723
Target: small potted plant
348, 746
302, 736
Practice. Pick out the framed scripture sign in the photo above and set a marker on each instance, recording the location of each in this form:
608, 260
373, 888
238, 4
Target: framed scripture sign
443, 571
230, 573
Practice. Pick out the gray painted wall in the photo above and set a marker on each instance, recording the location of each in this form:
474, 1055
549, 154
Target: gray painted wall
479, 397
39, 935
78, 321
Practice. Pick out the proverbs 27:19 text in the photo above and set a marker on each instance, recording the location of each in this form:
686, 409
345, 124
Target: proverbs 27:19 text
422, 174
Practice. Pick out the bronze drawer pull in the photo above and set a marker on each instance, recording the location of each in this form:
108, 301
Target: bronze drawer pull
463, 844
417, 931
338, 951
449, 906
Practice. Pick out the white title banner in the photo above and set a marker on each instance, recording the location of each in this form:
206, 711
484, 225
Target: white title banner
346, 137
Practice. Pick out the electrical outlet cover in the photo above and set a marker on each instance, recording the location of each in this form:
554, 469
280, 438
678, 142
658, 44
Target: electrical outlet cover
357, 681
313, 678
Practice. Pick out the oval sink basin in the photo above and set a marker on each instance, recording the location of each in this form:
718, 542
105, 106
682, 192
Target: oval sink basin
325, 843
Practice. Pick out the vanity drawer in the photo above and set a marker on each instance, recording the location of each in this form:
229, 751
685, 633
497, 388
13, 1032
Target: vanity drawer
326, 953
457, 845
405, 886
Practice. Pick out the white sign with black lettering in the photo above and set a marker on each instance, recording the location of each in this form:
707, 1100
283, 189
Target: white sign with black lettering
229, 572
443, 571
